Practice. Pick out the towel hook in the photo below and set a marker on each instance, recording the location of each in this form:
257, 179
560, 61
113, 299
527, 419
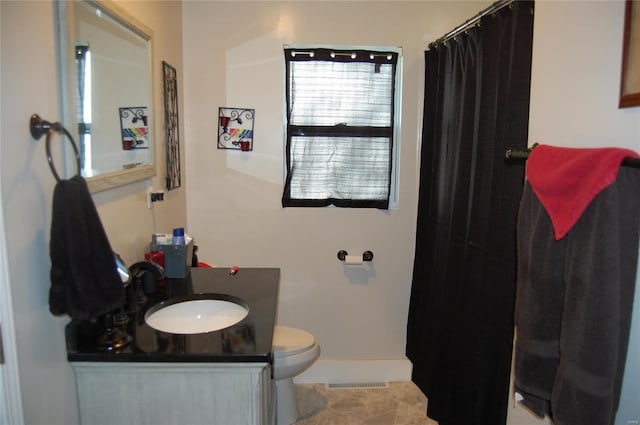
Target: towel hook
39, 127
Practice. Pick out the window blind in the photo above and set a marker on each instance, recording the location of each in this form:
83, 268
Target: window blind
340, 117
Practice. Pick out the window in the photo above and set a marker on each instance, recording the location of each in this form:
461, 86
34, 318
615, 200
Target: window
83, 102
340, 116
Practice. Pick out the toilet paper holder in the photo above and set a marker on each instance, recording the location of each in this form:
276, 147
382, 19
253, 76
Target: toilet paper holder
366, 256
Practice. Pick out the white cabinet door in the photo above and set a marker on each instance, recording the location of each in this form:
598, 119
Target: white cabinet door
174, 393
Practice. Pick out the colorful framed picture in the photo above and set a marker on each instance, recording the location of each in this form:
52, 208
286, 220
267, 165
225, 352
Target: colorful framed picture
134, 126
235, 128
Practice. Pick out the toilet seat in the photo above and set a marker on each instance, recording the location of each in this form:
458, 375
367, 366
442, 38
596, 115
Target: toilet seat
288, 341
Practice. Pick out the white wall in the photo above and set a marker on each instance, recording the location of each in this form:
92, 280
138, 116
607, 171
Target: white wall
233, 58
29, 85
575, 84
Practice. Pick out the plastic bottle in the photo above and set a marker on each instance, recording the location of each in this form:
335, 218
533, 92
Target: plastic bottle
178, 236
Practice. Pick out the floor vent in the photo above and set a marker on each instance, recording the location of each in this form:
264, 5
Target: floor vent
358, 386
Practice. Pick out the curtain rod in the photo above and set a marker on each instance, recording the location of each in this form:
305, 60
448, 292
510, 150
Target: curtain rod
472, 21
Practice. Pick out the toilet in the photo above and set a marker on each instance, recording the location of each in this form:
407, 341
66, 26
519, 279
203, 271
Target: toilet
294, 351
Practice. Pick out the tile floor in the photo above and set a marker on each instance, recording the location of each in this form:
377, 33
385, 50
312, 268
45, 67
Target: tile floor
402, 403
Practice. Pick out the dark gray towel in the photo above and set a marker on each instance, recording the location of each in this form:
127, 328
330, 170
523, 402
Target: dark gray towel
573, 305
84, 281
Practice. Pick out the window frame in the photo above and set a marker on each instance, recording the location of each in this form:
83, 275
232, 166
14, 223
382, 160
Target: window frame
392, 132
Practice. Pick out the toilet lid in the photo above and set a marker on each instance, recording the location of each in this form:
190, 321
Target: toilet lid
288, 341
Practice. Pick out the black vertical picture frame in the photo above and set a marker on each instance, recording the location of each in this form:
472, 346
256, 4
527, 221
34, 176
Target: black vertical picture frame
172, 128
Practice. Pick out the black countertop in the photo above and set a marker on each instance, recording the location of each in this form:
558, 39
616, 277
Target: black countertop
250, 340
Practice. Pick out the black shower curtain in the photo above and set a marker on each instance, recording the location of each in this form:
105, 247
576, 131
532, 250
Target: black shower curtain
460, 325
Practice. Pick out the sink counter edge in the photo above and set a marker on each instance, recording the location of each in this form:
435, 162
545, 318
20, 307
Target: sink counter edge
250, 340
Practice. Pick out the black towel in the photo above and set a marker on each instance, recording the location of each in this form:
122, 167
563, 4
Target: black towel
574, 303
85, 283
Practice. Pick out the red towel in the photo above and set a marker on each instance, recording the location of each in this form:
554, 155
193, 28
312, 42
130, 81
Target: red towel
566, 180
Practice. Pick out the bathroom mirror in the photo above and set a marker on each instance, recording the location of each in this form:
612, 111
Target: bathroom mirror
105, 77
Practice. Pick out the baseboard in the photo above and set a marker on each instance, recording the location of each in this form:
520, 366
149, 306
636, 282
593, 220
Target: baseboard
356, 371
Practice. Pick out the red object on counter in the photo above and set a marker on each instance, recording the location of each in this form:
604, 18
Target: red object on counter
155, 256
158, 258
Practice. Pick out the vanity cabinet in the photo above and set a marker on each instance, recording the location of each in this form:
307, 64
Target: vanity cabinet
175, 393
222, 377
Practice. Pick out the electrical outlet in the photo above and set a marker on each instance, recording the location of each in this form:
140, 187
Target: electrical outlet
154, 196
157, 196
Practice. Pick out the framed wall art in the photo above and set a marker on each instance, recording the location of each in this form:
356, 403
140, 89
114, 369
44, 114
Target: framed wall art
235, 128
171, 125
134, 126
630, 80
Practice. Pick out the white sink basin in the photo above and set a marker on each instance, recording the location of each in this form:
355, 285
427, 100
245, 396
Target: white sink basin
193, 316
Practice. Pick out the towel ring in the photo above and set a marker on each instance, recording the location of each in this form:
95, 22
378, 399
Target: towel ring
39, 127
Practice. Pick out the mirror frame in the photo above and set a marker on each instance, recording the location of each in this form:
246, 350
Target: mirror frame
66, 80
